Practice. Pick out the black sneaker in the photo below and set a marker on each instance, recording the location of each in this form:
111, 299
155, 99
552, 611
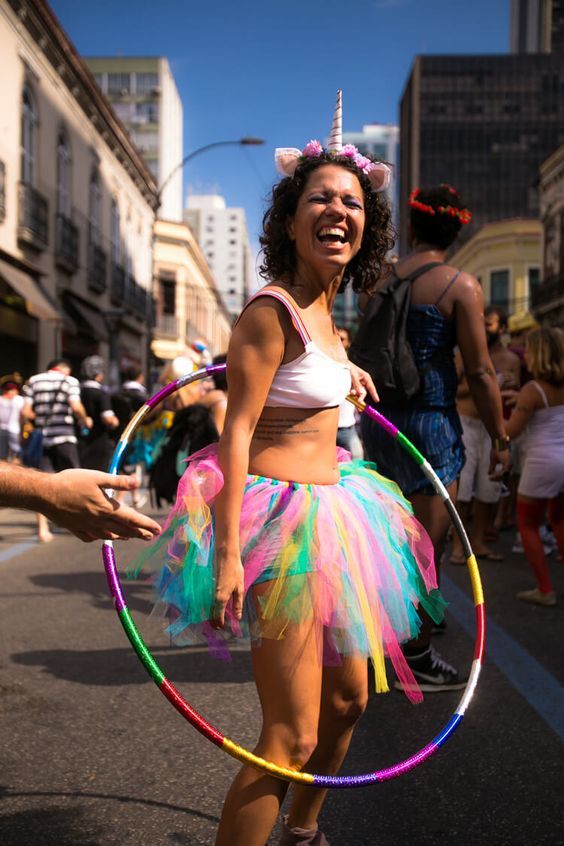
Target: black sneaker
432, 674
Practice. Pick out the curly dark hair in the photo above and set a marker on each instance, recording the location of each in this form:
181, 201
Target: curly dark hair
279, 251
439, 229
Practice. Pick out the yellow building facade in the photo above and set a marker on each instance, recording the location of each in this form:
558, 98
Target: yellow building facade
188, 305
506, 258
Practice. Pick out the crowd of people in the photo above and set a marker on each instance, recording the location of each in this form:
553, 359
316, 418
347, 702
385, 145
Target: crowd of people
327, 557
54, 422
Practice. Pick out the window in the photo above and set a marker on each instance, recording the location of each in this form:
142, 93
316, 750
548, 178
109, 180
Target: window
119, 83
115, 234
145, 83
94, 207
146, 113
168, 295
63, 175
28, 137
534, 281
499, 288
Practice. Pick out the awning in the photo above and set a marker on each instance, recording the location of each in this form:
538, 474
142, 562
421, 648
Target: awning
36, 300
90, 320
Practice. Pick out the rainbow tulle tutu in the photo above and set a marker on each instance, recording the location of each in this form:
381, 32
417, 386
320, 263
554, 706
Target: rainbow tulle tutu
349, 556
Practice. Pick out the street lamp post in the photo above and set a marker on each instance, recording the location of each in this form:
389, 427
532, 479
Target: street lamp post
247, 141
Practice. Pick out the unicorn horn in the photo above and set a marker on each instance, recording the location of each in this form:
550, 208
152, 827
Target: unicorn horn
336, 136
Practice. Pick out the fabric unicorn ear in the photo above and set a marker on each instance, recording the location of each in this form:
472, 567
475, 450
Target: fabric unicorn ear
379, 175
335, 143
286, 160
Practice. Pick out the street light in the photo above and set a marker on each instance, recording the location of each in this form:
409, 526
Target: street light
247, 141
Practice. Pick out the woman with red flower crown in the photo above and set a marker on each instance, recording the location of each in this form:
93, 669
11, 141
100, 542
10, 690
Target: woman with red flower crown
446, 310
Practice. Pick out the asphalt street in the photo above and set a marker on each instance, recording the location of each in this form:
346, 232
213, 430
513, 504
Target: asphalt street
92, 754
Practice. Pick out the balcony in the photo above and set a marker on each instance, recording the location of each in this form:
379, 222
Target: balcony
32, 217
66, 243
167, 326
118, 284
97, 268
136, 298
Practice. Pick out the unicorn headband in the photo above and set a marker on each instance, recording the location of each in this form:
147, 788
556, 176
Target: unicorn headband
288, 158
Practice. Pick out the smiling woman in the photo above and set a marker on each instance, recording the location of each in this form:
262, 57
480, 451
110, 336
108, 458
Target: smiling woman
277, 535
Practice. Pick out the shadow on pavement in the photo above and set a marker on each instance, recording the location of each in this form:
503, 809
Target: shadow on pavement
46, 827
12, 793
138, 593
122, 667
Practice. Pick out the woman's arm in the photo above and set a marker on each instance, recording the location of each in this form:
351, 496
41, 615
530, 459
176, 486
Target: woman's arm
528, 401
255, 352
478, 367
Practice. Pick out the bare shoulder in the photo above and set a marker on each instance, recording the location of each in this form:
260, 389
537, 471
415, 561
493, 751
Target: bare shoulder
265, 316
530, 397
467, 292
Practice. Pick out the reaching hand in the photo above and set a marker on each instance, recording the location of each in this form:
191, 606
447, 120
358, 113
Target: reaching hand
77, 501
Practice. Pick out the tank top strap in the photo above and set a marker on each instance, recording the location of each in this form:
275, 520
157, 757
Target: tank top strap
450, 284
542, 393
290, 307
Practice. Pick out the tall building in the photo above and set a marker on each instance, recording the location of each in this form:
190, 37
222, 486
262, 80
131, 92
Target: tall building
381, 141
483, 124
144, 96
537, 26
548, 300
223, 237
77, 207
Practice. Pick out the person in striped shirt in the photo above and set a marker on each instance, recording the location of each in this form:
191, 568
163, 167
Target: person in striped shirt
52, 401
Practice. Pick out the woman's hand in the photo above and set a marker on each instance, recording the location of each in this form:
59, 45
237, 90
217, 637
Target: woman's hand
362, 383
229, 583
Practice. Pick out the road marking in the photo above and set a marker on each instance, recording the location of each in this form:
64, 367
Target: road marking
535, 684
16, 549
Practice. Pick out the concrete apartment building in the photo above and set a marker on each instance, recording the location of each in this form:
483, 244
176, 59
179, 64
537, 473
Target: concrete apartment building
224, 240
77, 206
380, 141
144, 96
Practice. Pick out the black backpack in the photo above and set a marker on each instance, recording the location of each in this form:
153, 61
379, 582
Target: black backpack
193, 429
381, 346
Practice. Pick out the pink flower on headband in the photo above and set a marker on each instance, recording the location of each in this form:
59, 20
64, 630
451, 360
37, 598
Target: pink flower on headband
349, 151
312, 149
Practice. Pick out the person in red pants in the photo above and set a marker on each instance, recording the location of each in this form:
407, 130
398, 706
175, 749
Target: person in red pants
540, 407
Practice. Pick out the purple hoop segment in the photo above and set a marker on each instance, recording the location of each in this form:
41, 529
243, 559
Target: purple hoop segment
205, 728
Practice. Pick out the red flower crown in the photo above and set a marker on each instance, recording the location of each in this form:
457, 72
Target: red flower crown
463, 215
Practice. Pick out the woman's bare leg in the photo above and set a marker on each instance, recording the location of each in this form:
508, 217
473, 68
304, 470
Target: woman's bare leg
343, 700
432, 514
288, 678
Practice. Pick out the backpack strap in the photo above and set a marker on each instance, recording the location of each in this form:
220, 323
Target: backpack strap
415, 274
290, 307
452, 281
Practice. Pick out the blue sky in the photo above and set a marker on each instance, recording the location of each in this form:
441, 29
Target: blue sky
271, 69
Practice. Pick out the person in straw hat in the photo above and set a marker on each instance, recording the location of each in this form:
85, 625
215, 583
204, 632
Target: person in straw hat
277, 535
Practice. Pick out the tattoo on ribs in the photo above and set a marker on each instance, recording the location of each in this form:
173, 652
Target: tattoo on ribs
268, 430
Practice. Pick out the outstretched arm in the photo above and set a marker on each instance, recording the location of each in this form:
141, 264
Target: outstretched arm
76, 500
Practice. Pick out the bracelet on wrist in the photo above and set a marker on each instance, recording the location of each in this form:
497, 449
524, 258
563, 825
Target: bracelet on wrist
502, 443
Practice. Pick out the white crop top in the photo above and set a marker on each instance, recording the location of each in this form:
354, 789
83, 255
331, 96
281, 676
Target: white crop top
314, 379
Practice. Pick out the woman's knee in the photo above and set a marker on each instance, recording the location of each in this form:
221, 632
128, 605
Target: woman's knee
290, 746
347, 708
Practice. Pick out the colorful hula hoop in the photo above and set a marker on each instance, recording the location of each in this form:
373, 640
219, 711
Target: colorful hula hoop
205, 728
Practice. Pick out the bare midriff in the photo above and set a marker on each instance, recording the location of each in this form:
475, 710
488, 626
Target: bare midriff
296, 445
